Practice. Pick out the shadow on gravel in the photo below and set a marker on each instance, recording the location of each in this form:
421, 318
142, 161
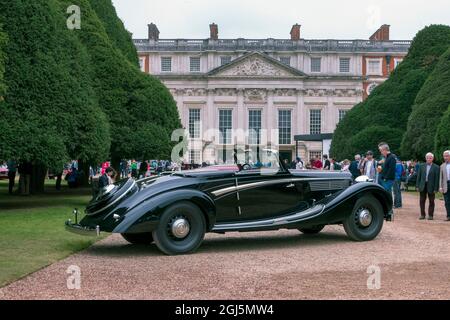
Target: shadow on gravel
225, 244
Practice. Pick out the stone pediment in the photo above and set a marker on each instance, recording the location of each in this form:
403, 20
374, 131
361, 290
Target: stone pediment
256, 65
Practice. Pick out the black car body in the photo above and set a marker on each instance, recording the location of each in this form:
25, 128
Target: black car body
176, 211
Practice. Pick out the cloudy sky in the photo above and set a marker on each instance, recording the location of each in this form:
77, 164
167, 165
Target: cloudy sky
320, 19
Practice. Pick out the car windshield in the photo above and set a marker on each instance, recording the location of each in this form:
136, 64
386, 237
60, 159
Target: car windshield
264, 160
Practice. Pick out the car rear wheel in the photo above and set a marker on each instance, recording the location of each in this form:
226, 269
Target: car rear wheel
138, 238
181, 229
312, 230
366, 220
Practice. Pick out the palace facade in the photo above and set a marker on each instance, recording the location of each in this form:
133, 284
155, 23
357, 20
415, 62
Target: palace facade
288, 93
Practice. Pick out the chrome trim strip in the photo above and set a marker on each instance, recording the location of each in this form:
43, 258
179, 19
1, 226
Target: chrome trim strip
294, 218
114, 202
252, 185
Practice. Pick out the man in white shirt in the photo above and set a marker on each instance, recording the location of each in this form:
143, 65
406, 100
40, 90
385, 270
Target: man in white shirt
369, 165
444, 182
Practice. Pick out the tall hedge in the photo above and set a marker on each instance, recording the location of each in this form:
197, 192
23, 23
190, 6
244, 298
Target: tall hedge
133, 101
115, 29
431, 103
2, 62
390, 103
51, 113
442, 139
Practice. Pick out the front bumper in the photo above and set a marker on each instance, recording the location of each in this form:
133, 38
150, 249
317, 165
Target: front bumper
81, 230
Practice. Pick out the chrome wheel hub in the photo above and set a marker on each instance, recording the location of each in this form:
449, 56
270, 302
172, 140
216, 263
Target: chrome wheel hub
180, 228
364, 217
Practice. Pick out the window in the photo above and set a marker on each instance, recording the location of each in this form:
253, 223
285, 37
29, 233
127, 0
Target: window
344, 64
225, 60
195, 64
166, 64
284, 126
315, 121
316, 64
342, 114
142, 64
314, 154
397, 62
195, 156
254, 127
373, 67
285, 60
194, 123
225, 126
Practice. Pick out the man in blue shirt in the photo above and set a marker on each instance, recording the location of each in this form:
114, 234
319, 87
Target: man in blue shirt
397, 184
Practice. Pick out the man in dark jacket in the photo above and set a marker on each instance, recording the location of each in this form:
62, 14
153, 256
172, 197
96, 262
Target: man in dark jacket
387, 174
355, 167
106, 179
427, 184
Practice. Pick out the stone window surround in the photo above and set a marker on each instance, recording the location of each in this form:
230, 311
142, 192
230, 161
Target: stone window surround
380, 66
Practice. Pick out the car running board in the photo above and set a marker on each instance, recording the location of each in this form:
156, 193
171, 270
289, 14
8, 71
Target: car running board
285, 220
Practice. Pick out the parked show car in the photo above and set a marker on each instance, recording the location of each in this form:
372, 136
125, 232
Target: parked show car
176, 211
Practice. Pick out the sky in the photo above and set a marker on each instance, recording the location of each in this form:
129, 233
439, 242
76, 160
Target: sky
253, 19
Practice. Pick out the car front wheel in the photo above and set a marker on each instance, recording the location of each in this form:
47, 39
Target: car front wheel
138, 238
181, 229
366, 220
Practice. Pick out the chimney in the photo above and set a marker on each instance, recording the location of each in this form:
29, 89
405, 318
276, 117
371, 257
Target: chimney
153, 32
213, 31
382, 34
295, 32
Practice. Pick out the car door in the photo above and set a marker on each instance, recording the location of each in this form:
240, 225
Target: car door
265, 196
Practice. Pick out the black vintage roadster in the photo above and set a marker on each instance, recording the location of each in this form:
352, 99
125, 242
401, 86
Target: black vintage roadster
176, 211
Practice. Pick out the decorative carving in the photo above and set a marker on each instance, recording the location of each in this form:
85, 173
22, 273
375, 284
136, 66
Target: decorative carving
225, 92
255, 95
255, 66
285, 92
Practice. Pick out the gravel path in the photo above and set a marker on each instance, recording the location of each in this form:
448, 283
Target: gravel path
413, 256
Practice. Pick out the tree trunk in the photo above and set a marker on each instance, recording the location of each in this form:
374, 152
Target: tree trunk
83, 166
37, 182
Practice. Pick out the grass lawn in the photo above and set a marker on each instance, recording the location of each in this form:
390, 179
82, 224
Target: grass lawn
32, 233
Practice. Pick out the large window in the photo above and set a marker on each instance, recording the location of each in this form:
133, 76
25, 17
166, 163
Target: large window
285, 60
315, 154
225, 125
374, 67
166, 64
254, 127
195, 64
142, 64
342, 114
225, 60
284, 126
315, 121
344, 65
316, 64
195, 156
194, 123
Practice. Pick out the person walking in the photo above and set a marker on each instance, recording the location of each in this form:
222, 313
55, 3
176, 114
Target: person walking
397, 184
134, 169
427, 184
355, 167
12, 171
387, 174
369, 166
444, 182
143, 169
327, 163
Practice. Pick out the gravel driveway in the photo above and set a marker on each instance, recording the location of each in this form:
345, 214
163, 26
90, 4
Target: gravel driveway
413, 256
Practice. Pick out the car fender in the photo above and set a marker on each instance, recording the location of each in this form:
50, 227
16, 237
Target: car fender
339, 206
145, 216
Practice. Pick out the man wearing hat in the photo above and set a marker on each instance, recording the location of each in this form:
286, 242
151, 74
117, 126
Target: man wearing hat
369, 166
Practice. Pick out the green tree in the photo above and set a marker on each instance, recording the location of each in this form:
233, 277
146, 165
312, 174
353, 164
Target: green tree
431, 103
50, 105
132, 100
115, 29
390, 103
2, 62
442, 140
